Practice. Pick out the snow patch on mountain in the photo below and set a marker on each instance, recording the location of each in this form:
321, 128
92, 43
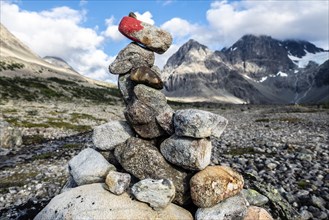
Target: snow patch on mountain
282, 74
318, 58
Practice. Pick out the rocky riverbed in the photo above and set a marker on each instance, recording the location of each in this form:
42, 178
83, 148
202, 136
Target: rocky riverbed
284, 147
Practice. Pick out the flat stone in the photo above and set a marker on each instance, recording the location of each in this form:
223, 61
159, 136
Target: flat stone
117, 182
198, 123
257, 213
189, 153
145, 75
158, 193
89, 166
254, 198
132, 56
143, 160
154, 38
94, 202
107, 136
126, 87
230, 209
214, 184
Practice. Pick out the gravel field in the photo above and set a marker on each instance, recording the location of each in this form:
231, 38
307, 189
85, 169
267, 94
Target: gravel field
284, 148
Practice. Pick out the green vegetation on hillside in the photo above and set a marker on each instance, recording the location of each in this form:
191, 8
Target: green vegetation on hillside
54, 89
10, 66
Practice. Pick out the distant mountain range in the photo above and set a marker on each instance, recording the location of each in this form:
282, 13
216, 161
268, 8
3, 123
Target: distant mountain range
26, 76
255, 69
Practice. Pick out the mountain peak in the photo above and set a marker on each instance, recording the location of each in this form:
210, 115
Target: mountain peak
299, 48
57, 61
187, 52
194, 44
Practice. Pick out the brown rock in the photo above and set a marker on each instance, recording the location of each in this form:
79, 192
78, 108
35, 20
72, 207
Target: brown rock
143, 120
214, 184
257, 213
145, 75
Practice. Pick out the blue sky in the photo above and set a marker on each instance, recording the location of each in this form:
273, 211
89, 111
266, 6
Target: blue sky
85, 34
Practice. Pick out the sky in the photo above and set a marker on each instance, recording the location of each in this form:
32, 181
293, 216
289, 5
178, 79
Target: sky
85, 32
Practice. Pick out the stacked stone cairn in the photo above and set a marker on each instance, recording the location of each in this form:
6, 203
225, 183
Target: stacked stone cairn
163, 155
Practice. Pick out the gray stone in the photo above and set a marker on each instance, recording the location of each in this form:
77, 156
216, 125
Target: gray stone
142, 112
117, 182
9, 135
271, 166
189, 153
151, 97
154, 38
158, 193
89, 166
305, 215
165, 120
143, 160
126, 87
230, 209
145, 75
107, 136
254, 197
143, 119
198, 123
214, 184
132, 56
318, 202
94, 202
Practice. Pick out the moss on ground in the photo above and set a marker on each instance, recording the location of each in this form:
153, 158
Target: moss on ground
71, 145
33, 139
17, 179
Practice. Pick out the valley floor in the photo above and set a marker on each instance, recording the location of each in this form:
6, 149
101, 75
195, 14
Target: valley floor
286, 148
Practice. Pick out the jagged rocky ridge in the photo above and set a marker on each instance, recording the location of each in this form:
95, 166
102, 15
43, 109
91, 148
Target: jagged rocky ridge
255, 69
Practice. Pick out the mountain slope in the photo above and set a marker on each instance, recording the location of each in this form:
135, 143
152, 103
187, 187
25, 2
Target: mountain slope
24, 75
255, 69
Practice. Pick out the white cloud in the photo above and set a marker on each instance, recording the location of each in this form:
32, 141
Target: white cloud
179, 27
145, 17
112, 31
58, 32
306, 20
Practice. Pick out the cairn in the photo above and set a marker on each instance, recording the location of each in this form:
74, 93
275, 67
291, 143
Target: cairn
167, 151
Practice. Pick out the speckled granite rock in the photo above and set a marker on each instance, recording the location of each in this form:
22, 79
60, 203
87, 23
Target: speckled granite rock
214, 184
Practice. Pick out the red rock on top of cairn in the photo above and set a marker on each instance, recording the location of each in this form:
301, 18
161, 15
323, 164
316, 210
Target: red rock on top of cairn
154, 38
